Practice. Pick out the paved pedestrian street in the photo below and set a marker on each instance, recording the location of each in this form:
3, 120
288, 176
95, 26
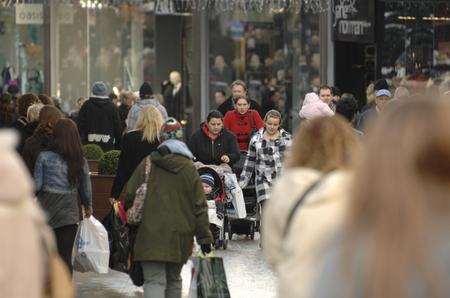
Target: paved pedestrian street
248, 275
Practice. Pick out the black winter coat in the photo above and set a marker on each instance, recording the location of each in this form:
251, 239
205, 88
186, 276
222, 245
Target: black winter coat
209, 152
41, 140
99, 123
134, 150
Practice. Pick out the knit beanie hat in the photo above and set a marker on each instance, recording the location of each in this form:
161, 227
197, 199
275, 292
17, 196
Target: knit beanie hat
145, 90
171, 129
383, 92
380, 84
208, 179
99, 89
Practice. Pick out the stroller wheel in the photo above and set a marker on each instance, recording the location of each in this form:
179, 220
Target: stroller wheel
218, 244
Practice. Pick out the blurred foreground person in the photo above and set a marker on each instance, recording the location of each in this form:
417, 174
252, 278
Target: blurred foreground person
29, 263
61, 175
396, 243
294, 228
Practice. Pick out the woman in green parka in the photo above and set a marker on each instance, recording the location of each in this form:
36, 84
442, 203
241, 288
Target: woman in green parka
175, 210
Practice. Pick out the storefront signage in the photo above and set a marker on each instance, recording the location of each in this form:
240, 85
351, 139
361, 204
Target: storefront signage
27, 14
354, 21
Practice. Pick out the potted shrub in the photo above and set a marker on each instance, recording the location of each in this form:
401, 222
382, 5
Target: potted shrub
93, 153
102, 183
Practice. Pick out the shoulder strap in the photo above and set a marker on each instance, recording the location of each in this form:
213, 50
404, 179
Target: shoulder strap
298, 204
147, 168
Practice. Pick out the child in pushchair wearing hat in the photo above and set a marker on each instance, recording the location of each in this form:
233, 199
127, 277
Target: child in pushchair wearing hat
213, 188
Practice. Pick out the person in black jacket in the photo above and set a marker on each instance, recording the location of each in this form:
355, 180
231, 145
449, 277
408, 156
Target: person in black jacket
136, 145
238, 89
98, 120
213, 144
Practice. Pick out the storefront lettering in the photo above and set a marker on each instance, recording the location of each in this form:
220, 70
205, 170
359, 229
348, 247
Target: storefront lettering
354, 27
353, 20
29, 14
344, 10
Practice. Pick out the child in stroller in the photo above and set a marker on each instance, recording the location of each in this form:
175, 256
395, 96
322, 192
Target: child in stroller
213, 188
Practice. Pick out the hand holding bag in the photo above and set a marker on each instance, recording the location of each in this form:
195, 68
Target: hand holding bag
208, 278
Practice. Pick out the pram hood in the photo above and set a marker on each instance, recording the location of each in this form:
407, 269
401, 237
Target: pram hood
218, 190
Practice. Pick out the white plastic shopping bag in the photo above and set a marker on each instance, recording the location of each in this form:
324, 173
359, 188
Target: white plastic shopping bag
234, 191
91, 247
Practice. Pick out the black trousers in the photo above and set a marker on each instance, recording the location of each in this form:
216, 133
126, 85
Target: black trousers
65, 237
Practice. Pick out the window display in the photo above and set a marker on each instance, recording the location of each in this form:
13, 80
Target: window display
416, 47
275, 53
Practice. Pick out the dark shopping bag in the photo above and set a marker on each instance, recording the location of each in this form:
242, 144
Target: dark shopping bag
119, 243
136, 274
209, 278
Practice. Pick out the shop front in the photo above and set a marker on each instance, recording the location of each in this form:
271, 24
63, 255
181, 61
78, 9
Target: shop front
63, 47
406, 42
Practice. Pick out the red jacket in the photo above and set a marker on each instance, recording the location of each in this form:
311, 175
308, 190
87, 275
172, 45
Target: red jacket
243, 126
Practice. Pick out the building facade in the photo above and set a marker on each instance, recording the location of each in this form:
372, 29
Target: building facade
62, 47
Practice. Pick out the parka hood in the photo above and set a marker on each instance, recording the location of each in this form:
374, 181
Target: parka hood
172, 155
148, 101
100, 102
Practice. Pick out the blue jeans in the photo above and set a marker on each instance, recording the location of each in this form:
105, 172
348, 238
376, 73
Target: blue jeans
162, 279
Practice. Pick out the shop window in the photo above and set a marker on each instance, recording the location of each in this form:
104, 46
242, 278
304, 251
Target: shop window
416, 47
21, 47
272, 51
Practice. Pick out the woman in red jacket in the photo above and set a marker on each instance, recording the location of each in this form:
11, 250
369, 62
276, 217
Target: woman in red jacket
243, 122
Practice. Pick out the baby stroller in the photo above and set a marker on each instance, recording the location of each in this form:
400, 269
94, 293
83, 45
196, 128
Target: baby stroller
216, 205
250, 224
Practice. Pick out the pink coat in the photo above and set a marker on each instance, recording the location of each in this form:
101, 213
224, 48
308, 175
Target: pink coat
314, 107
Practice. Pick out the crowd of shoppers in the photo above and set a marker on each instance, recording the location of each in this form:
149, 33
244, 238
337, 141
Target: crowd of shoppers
326, 220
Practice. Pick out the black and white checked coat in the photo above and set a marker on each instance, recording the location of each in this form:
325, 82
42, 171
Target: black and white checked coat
264, 159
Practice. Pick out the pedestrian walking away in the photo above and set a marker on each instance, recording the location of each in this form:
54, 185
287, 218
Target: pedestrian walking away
404, 225
175, 210
61, 175
98, 120
136, 145
42, 137
308, 202
146, 99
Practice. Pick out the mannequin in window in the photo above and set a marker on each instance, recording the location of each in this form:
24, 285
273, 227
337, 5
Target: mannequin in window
176, 96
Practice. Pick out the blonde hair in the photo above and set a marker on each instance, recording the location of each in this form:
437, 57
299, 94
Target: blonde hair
33, 111
150, 122
370, 93
124, 95
324, 144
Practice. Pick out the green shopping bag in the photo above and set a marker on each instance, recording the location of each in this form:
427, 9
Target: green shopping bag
211, 278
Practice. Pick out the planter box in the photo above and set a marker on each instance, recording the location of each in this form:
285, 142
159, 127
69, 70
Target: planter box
101, 190
93, 166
